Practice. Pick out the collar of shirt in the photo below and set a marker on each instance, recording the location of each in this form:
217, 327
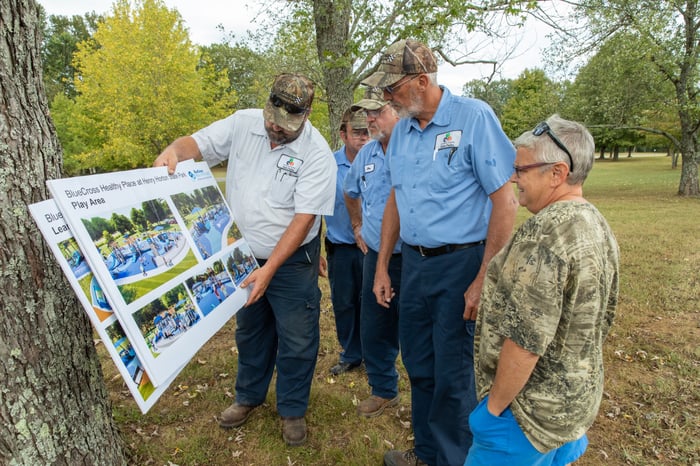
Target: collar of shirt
442, 114
341, 158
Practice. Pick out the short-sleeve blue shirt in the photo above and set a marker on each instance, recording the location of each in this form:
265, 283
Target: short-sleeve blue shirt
444, 173
368, 178
338, 227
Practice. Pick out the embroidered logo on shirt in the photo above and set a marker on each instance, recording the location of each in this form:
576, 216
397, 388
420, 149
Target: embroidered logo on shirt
289, 164
369, 168
448, 139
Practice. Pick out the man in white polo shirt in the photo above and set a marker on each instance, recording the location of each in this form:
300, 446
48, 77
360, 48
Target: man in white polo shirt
280, 180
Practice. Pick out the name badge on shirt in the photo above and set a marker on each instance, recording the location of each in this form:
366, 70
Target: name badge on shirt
289, 164
448, 140
369, 168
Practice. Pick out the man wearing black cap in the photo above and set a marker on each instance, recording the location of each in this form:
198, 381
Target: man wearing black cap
453, 207
280, 180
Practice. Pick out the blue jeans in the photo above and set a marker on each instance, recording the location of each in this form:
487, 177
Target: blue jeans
282, 330
499, 441
437, 349
380, 329
345, 277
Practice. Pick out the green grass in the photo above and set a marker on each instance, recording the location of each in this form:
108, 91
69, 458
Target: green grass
650, 412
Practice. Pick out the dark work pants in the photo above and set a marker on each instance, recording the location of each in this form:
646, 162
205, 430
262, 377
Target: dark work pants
281, 330
438, 351
380, 329
345, 277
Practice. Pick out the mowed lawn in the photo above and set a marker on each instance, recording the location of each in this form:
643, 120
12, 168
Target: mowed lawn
650, 413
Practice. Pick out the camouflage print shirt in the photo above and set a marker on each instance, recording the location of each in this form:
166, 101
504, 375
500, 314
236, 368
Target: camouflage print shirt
552, 290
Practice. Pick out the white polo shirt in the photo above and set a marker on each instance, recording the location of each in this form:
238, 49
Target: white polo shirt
265, 187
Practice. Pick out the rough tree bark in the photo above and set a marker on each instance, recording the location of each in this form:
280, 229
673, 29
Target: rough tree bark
53, 402
332, 31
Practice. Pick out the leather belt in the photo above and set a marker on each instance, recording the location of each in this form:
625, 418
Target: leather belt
444, 249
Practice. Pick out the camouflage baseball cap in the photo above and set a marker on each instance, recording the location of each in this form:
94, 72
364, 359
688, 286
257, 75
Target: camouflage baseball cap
373, 100
358, 119
290, 101
400, 59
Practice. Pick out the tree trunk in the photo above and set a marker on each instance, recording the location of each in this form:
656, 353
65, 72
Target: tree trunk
602, 153
53, 401
616, 153
689, 173
332, 20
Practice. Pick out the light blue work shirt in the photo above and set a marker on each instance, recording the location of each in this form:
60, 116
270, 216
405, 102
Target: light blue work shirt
368, 178
444, 173
338, 227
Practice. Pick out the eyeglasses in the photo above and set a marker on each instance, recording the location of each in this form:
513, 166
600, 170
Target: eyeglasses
391, 89
376, 113
519, 170
290, 108
543, 128
359, 133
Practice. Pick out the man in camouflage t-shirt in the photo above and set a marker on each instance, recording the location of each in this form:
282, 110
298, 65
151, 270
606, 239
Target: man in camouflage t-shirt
548, 301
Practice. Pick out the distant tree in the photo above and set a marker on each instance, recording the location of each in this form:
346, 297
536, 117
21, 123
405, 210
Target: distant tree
533, 97
618, 90
61, 35
495, 93
140, 86
138, 219
349, 35
121, 222
670, 33
156, 210
53, 402
243, 68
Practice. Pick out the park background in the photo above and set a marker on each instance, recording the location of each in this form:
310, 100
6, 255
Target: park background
122, 86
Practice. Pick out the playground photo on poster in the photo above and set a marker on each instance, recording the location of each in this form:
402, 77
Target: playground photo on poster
129, 359
211, 287
208, 219
141, 245
86, 280
240, 263
164, 320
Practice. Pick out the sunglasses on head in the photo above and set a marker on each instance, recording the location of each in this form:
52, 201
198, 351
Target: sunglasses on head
543, 128
276, 101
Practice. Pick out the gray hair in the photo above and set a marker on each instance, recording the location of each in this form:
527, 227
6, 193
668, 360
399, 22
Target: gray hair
573, 135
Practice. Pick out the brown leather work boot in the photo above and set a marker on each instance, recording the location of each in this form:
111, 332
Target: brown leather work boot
294, 430
235, 415
375, 405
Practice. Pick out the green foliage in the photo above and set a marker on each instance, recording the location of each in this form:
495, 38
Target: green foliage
533, 98
668, 33
61, 36
243, 68
620, 87
495, 93
140, 85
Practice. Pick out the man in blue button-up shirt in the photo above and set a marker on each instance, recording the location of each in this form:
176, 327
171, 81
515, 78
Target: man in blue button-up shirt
453, 207
367, 187
344, 256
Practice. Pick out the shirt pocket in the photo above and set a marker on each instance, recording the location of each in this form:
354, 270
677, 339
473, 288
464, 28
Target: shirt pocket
281, 192
447, 170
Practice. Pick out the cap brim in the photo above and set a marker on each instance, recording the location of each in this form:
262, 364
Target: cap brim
382, 79
282, 118
368, 104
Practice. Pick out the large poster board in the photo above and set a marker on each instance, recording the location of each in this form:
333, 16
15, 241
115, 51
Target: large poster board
166, 253
84, 284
